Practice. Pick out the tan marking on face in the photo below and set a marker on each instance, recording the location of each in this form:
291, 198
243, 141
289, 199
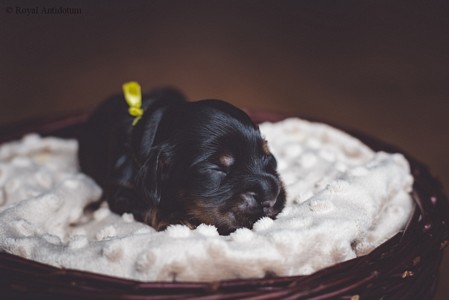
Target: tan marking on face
226, 160
265, 147
152, 218
198, 213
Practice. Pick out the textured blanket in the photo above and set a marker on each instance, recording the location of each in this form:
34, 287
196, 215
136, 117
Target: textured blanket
343, 201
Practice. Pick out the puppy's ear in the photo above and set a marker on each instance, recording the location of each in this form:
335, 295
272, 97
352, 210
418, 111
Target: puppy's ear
152, 175
147, 145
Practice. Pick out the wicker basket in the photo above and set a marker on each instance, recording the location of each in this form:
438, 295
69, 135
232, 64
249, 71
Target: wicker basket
404, 267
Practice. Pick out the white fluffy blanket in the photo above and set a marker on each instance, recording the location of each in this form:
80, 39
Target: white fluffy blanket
343, 201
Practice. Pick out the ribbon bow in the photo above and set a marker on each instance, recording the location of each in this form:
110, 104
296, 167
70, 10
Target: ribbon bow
133, 97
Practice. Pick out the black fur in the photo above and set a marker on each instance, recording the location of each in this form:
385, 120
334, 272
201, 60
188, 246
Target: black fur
183, 163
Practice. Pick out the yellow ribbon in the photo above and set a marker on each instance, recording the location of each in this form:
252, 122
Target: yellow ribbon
133, 97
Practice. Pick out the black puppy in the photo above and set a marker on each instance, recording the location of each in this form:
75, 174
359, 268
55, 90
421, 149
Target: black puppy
182, 163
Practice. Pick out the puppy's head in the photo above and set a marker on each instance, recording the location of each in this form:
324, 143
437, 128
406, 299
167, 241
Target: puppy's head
209, 164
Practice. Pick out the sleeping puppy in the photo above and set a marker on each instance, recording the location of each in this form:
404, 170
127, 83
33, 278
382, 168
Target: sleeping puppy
182, 163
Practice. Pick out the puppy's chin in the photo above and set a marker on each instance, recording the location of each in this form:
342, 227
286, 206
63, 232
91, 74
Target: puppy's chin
230, 216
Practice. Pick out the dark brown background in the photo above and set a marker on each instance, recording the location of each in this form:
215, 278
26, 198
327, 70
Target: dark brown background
376, 66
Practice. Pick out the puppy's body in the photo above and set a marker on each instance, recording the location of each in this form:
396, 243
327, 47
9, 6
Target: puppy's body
184, 162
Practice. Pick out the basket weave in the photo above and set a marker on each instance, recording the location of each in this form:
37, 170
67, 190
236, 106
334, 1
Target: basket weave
404, 267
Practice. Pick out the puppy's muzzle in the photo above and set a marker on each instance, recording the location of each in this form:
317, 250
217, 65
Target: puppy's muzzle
263, 192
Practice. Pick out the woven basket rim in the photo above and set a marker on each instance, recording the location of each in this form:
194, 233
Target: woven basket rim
393, 268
